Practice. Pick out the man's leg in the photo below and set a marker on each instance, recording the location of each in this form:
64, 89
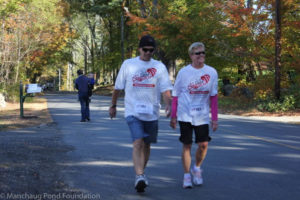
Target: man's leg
146, 154
82, 107
138, 156
139, 160
140, 152
87, 113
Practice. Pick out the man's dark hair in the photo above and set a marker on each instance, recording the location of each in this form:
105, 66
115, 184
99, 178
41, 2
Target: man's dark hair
147, 40
79, 72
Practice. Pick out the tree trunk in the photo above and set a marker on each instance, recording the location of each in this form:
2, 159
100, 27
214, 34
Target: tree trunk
142, 9
277, 48
249, 3
154, 9
85, 54
18, 58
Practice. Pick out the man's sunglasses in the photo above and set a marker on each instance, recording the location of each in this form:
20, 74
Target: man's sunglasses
146, 49
199, 53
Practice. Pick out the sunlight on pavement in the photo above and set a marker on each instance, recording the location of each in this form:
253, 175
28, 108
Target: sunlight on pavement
164, 179
290, 155
249, 144
100, 163
273, 141
226, 148
258, 170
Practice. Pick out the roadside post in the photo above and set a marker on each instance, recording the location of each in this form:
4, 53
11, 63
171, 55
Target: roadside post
30, 90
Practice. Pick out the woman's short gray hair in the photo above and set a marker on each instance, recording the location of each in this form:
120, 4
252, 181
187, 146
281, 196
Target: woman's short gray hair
195, 45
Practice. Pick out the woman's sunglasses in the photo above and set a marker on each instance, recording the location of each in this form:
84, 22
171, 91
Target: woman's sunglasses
199, 53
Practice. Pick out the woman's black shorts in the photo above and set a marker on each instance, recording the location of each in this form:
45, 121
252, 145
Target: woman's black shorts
186, 133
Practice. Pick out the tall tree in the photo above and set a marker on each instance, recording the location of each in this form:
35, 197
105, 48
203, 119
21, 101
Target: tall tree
277, 47
33, 33
101, 23
177, 24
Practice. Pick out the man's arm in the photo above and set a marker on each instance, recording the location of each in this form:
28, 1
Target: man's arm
173, 121
168, 100
113, 107
76, 85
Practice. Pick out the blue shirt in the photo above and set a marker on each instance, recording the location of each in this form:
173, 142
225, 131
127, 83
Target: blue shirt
82, 85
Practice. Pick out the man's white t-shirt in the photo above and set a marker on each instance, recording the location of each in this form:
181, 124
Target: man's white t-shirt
193, 87
143, 82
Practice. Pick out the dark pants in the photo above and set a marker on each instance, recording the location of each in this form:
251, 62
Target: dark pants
85, 107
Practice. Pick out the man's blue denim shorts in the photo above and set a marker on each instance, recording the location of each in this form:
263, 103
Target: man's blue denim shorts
142, 129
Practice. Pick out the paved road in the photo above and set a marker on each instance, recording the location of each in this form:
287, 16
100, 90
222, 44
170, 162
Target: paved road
247, 159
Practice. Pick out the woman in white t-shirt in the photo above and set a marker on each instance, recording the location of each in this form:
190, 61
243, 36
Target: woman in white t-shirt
194, 95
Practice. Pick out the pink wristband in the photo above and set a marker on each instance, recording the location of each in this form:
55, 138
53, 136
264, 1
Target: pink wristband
174, 107
214, 107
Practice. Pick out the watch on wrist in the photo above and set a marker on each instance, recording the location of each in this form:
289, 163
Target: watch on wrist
113, 106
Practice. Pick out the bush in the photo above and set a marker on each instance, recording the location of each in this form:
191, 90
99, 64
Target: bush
271, 105
11, 92
295, 91
262, 87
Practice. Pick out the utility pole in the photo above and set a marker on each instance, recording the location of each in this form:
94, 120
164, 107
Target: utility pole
122, 36
85, 54
277, 48
59, 78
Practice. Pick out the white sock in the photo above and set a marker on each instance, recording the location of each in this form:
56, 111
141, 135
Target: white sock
196, 168
187, 175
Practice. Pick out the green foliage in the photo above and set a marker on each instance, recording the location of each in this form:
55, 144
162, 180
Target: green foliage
294, 91
11, 92
235, 103
239, 41
11, 6
34, 39
97, 24
272, 105
266, 101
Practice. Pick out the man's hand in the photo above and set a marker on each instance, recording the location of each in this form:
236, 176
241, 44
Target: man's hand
168, 110
214, 125
113, 107
112, 112
168, 101
173, 122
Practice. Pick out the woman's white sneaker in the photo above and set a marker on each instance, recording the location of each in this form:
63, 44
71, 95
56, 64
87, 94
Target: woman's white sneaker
187, 182
197, 176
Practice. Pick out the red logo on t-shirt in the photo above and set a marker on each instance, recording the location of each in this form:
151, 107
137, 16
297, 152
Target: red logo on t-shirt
193, 86
144, 75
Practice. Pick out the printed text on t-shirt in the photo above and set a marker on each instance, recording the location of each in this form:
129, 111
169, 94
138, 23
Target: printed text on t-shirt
143, 76
194, 87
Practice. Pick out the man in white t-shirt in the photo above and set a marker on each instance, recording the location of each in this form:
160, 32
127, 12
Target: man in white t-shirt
143, 79
194, 96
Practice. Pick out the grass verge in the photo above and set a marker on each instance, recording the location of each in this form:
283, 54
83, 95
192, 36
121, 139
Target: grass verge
35, 114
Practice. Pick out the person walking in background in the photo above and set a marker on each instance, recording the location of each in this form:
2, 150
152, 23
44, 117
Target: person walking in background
82, 84
91, 85
143, 79
194, 95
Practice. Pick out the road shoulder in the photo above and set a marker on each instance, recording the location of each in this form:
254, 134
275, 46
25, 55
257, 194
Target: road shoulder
30, 162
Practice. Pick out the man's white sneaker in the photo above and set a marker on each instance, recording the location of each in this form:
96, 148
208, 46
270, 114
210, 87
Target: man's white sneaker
140, 183
197, 176
187, 182
146, 180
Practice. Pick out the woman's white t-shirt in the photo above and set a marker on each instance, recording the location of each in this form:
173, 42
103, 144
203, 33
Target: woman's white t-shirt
143, 82
193, 87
